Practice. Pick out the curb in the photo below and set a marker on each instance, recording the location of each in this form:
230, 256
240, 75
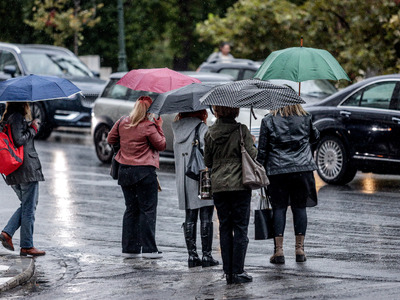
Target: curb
20, 278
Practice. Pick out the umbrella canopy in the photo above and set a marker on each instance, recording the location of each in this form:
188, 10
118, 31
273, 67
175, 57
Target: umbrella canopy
155, 80
36, 88
251, 93
300, 64
184, 99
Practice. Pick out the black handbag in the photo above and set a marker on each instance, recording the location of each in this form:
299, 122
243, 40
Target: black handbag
196, 159
115, 164
263, 218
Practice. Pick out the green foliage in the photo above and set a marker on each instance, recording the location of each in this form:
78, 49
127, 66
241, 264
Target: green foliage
364, 36
255, 27
60, 21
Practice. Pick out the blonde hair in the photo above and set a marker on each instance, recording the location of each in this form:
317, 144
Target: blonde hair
22, 107
139, 111
290, 110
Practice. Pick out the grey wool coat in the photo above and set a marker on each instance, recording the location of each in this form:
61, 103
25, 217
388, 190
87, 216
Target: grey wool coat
187, 188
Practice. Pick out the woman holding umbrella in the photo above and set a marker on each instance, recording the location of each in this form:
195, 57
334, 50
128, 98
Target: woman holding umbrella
285, 151
140, 140
185, 127
232, 200
25, 180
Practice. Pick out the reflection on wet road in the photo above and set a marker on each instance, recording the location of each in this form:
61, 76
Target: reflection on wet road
352, 242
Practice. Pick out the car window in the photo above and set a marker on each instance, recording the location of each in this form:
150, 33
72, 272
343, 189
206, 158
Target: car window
377, 95
55, 65
115, 91
8, 59
233, 72
248, 74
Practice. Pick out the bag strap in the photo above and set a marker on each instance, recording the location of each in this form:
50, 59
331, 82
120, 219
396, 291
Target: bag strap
196, 140
241, 135
265, 195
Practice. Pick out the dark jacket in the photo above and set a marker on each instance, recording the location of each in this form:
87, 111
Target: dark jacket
284, 144
222, 154
22, 134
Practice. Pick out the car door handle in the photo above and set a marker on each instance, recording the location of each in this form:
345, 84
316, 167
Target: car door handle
396, 120
345, 113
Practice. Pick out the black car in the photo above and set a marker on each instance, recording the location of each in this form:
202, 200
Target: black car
360, 130
312, 91
20, 60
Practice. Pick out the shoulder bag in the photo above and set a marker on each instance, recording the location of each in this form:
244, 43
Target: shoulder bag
254, 175
196, 159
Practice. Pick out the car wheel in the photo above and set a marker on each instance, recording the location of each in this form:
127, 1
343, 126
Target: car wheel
103, 149
38, 112
333, 162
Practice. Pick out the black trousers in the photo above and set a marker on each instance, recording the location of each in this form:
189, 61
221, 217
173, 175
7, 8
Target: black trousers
139, 222
233, 209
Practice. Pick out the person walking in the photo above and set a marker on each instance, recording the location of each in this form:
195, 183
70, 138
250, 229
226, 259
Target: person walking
222, 154
285, 151
25, 180
140, 142
184, 128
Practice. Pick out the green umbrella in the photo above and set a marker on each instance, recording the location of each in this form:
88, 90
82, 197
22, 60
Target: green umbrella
300, 64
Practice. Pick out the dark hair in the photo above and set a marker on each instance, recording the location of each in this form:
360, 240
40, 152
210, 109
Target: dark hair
200, 114
222, 44
225, 112
17, 107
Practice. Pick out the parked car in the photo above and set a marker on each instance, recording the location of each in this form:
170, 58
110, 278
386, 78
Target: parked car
360, 130
116, 101
20, 60
312, 91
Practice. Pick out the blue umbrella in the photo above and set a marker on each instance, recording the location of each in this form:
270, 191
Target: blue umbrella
36, 88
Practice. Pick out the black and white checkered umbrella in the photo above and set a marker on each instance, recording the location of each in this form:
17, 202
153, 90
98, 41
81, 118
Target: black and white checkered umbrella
251, 93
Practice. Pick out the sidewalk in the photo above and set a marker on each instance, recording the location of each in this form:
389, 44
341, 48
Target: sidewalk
14, 269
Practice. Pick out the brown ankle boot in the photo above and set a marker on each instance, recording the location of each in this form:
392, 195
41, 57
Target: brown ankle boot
300, 255
278, 257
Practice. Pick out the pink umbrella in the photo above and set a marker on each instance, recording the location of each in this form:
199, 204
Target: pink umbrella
155, 80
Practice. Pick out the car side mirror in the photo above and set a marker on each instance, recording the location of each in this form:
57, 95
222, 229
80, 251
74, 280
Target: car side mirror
10, 70
96, 73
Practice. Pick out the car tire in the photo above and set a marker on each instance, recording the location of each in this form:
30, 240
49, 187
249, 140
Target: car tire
104, 151
332, 158
45, 128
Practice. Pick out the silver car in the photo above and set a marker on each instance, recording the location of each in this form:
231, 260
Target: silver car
116, 101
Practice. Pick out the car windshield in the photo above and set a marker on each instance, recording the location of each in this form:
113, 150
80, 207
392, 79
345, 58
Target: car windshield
54, 65
313, 88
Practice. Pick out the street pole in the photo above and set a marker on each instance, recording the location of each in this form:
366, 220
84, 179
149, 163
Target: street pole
122, 67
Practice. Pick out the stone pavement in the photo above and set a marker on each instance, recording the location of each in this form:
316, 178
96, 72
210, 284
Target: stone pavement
14, 269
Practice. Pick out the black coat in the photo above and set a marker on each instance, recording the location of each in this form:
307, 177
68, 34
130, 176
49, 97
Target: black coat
22, 134
284, 144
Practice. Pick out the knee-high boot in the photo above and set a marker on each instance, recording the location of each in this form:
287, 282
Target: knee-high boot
206, 243
278, 257
300, 255
189, 230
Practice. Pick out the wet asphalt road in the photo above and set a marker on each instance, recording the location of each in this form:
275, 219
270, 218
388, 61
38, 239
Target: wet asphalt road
352, 243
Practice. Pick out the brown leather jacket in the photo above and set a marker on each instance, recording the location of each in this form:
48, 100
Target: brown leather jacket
140, 145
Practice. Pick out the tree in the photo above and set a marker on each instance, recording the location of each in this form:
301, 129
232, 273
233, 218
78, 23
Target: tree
255, 27
362, 35
62, 20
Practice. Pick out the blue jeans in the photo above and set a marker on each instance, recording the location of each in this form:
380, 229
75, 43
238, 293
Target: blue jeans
24, 216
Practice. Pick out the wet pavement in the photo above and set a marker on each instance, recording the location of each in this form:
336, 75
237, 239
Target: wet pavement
352, 242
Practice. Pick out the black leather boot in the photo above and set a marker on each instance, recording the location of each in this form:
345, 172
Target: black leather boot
189, 230
206, 243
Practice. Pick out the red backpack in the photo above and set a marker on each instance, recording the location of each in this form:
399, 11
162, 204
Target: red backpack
11, 157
